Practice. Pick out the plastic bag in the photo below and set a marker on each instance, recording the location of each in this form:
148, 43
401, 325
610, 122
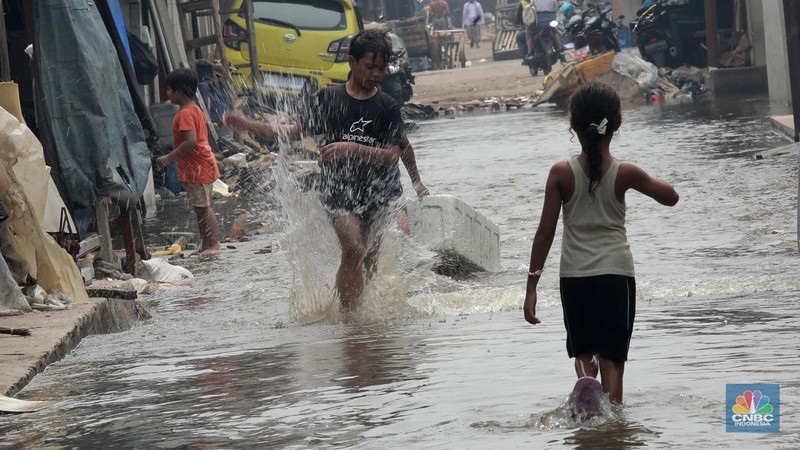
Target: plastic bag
145, 64
529, 17
644, 73
159, 270
10, 294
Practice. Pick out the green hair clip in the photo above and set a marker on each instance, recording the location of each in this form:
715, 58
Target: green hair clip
601, 129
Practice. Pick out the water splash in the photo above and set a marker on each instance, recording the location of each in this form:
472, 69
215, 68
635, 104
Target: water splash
313, 252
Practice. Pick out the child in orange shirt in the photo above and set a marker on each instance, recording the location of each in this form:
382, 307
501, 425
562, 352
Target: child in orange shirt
197, 166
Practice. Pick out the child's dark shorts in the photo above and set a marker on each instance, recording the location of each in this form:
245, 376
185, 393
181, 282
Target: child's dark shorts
370, 192
598, 315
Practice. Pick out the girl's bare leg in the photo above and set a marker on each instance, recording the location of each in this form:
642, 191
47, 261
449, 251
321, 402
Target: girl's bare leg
611, 373
585, 366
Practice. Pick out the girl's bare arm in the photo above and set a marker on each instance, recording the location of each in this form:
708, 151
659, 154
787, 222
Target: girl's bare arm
545, 234
633, 177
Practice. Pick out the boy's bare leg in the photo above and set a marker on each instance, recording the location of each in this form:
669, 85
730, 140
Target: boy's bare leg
349, 277
611, 377
402, 222
585, 366
207, 225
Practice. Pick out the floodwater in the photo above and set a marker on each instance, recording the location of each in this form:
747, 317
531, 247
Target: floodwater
250, 353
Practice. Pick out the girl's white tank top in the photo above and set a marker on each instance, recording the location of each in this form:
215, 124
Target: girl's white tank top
594, 240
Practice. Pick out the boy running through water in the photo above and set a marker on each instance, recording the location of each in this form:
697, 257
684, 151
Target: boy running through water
197, 166
362, 136
597, 285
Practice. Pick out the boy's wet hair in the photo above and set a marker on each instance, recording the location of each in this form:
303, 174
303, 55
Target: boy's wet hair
371, 41
184, 81
591, 104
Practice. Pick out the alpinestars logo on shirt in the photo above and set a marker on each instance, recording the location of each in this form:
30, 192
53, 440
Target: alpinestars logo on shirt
358, 126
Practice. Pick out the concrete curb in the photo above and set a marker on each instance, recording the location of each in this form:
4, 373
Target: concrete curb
784, 125
56, 333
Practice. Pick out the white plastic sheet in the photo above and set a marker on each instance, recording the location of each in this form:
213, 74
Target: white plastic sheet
160, 270
644, 73
10, 294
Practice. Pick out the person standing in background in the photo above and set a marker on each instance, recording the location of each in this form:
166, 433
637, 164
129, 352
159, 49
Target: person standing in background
546, 12
472, 21
440, 14
197, 165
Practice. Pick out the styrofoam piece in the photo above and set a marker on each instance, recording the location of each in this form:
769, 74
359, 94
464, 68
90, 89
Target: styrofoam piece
159, 270
446, 224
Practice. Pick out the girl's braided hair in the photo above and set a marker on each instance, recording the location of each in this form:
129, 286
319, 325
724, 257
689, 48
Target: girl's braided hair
589, 106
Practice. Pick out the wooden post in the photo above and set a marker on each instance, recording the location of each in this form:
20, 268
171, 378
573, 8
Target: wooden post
251, 45
126, 223
104, 230
742, 13
218, 32
186, 35
712, 39
5, 67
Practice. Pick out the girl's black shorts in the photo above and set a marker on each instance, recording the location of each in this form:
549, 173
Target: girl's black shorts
598, 315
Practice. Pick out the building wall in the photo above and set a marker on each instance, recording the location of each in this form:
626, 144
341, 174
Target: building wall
626, 8
777, 58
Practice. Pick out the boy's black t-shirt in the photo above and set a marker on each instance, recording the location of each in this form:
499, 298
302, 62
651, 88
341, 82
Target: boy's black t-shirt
335, 116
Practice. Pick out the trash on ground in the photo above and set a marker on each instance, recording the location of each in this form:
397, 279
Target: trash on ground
13, 405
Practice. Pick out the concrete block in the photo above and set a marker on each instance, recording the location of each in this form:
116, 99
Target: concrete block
457, 232
784, 125
738, 81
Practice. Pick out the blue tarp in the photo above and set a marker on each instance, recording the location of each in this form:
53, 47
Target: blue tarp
119, 22
97, 135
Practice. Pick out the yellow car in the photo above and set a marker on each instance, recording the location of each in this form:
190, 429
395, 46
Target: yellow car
298, 41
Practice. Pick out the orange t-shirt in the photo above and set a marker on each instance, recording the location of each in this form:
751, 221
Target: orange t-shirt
199, 165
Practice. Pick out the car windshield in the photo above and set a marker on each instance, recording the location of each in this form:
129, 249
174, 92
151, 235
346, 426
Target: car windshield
303, 14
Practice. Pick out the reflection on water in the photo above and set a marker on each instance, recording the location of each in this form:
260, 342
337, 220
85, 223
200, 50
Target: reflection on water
241, 357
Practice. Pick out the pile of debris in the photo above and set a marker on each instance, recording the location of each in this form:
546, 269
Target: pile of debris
633, 78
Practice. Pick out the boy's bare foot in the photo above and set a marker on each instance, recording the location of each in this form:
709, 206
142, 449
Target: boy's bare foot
209, 252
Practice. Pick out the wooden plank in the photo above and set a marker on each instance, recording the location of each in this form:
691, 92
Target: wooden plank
192, 6
201, 42
596, 66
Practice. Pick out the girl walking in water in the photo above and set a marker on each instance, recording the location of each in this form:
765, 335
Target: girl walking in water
598, 290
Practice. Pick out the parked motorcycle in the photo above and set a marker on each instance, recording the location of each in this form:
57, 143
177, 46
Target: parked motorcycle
655, 32
575, 29
398, 80
594, 29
